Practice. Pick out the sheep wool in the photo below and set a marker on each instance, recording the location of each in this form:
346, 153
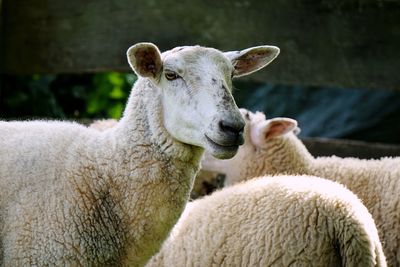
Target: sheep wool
72, 195
271, 147
75, 196
274, 221
205, 181
104, 124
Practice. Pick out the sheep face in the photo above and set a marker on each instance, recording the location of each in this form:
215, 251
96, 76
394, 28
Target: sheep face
195, 86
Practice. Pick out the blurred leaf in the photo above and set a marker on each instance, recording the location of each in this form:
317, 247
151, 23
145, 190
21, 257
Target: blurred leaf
117, 93
115, 79
115, 111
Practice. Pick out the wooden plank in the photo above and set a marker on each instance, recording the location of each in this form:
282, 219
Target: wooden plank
348, 43
350, 148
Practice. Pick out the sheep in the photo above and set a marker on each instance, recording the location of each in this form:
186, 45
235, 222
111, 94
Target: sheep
72, 195
271, 147
274, 221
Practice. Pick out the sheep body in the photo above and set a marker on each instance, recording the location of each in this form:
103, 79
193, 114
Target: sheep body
75, 196
274, 221
100, 203
272, 148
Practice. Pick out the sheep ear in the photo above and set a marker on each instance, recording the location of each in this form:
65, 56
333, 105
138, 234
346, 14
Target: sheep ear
265, 130
252, 59
145, 59
297, 130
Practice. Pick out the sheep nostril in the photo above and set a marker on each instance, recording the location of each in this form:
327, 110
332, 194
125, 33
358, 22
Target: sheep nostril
231, 128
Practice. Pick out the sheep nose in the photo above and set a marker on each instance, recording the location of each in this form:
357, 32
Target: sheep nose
233, 130
231, 127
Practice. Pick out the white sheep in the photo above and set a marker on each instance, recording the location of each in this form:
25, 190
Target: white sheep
271, 148
71, 195
274, 221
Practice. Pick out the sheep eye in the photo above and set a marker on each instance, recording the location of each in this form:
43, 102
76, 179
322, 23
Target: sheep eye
170, 75
247, 116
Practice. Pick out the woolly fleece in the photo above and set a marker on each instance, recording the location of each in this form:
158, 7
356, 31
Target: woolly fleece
274, 221
375, 182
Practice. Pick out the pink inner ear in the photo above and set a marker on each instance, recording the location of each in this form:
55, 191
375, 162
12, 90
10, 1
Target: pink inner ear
275, 129
267, 129
250, 61
245, 65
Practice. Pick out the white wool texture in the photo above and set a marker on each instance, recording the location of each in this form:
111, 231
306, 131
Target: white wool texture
274, 221
375, 181
71, 195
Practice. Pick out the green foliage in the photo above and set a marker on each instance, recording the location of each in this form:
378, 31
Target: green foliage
101, 95
111, 92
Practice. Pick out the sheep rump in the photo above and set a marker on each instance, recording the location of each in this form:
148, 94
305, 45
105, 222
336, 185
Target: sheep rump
274, 221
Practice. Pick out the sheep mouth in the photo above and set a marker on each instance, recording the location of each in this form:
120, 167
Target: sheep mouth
221, 151
219, 144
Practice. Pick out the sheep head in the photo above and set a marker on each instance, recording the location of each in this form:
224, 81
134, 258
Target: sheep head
195, 84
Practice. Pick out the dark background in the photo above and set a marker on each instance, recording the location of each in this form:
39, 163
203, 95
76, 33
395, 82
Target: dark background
337, 73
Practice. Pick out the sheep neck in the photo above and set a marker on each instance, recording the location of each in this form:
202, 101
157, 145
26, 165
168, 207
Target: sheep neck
287, 154
142, 123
